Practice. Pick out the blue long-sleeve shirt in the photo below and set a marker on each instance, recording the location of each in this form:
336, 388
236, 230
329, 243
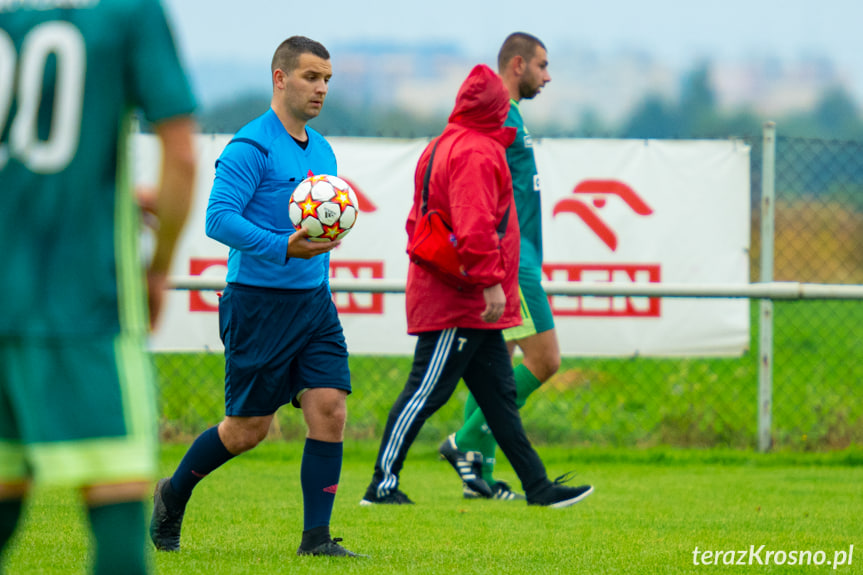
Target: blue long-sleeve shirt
248, 207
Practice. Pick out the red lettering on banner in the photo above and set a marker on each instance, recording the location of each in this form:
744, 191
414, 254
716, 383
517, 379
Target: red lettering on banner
206, 301
361, 303
346, 302
604, 306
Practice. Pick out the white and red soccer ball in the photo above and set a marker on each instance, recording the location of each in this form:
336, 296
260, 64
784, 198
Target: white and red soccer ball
326, 206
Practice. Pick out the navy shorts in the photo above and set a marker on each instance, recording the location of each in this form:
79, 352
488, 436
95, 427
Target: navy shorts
279, 343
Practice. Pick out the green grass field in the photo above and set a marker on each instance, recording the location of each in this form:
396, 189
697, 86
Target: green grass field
615, 421
650, 511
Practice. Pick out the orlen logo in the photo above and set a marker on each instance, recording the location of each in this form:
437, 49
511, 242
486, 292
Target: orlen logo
365, 204
591, 197
601, 190
346, 302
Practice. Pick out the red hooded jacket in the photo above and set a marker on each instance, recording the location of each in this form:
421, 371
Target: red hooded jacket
470, 181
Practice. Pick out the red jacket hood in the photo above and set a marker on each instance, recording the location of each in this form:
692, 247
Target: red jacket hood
471, 184
482, 104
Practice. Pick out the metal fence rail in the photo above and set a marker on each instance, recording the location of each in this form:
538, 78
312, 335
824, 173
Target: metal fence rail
765, 290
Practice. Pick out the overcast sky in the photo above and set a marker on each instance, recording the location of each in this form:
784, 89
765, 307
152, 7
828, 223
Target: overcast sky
675, 31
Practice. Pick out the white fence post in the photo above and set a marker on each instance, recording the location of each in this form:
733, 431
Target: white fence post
765, 322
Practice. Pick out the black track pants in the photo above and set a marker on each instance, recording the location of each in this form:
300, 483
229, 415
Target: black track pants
441, 359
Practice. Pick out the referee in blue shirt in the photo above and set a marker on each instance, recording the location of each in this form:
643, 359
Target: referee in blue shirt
282, 335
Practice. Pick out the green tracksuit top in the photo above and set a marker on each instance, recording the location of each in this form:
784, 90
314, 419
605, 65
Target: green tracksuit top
525, 185
71, 71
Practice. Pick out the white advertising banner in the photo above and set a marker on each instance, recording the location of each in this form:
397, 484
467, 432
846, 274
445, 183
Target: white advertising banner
613, 211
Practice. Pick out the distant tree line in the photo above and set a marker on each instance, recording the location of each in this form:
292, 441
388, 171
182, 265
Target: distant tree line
834, 116
694, 115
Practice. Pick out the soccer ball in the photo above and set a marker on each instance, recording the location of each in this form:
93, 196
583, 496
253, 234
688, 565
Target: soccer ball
326, 206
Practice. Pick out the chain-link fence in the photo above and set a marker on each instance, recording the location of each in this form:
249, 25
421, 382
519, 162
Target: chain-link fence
694, 402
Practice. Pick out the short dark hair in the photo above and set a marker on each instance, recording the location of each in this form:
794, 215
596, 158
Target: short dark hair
288, 53
517, 44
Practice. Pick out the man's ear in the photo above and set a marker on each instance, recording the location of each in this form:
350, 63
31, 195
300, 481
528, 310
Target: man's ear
519, 65
279, 79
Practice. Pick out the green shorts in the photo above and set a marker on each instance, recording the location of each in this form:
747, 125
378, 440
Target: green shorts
76, 411
535, 310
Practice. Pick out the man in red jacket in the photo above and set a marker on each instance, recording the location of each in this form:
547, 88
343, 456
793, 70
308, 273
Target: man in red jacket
459, 329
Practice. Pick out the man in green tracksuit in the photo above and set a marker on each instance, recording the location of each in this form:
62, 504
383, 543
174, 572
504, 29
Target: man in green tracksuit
77, 390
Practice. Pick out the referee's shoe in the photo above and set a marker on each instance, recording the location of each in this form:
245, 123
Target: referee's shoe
167, 518
468, 465
330, 547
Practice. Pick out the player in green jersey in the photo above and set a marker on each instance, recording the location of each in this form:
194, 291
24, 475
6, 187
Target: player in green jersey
77, 399
523, 66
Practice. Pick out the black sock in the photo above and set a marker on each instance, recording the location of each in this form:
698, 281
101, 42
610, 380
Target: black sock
10, 513
319, 476
206, 454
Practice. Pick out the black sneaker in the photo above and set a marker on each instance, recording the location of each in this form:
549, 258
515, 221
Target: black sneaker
468, 465
557, 495
396, 497
166, 522
330, 548
502, 492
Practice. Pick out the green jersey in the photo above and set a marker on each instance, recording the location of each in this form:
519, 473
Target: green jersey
71, 72
525, 187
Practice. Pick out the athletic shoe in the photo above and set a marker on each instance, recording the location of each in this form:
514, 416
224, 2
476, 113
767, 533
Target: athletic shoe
558, 496
331, 548
397, 497
468, 465
166, 522
502, 492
